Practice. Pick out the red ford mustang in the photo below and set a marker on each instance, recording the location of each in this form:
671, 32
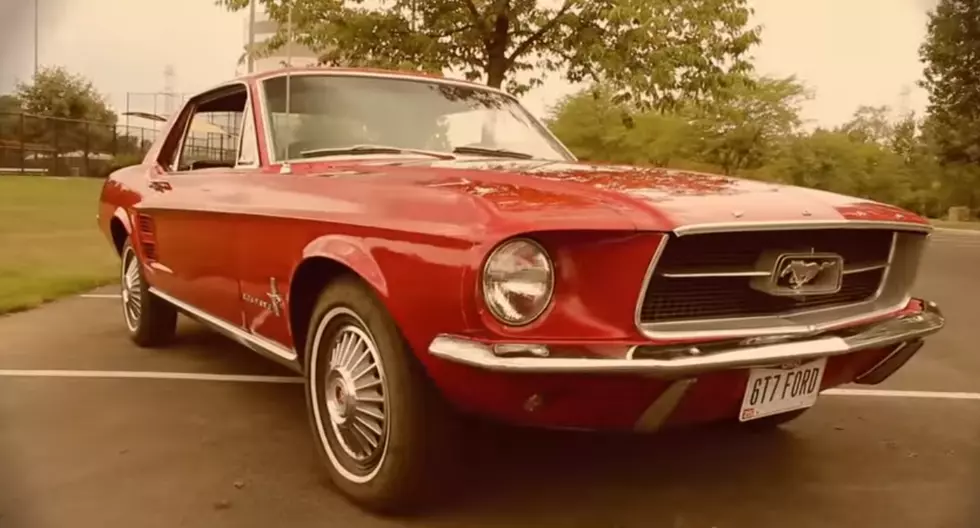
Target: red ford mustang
419, 248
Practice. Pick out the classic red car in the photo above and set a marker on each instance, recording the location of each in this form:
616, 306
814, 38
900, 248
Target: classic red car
420, 249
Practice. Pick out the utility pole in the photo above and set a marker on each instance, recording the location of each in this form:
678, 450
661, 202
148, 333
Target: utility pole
168, 90
36, 38
249, 59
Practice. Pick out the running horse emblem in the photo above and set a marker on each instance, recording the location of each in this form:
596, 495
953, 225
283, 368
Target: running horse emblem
801, 272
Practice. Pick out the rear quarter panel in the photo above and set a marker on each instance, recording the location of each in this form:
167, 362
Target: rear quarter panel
121, 192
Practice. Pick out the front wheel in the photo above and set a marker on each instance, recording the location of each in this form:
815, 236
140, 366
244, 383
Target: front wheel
382, 431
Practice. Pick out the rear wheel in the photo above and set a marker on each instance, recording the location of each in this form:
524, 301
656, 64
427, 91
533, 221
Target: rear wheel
382, 431
150, 320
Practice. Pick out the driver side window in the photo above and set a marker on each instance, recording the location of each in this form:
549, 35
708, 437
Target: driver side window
212, 128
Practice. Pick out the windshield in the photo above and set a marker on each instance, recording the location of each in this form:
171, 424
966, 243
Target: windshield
337, 112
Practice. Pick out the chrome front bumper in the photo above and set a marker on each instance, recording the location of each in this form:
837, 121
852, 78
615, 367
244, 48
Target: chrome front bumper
880, 335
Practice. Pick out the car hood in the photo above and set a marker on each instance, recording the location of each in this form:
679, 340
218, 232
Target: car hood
652, 198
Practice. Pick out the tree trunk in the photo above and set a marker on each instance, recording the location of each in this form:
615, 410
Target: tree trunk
497, 48
496, 71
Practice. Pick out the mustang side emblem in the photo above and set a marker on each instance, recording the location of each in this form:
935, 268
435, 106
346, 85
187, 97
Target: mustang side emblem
801, 272
275, 302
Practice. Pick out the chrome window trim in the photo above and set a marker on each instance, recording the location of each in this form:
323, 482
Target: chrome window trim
267, 118
195, 101
247, 113
787, 323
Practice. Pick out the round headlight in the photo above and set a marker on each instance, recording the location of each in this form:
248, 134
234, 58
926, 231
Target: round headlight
518, 281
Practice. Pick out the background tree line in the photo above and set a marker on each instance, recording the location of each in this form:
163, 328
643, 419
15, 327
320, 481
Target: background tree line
672, 85
61, 109
61, 114
758, 134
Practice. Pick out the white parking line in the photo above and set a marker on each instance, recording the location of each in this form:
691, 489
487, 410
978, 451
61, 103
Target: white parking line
239, 378
877, 393
100, 296
127, 374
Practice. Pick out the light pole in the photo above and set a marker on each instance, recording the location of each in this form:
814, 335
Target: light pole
250, 60
36, 2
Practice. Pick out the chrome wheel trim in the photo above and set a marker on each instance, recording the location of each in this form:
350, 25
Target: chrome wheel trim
354, 396
132, 294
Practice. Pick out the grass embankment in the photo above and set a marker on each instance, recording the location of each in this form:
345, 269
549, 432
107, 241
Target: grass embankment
49, 243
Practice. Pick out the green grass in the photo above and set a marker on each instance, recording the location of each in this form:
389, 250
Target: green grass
975, 226
50, 245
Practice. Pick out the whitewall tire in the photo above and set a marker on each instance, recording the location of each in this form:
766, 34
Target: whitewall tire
383, 433
150, 320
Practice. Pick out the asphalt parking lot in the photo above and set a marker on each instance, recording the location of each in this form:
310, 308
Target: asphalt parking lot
177, 448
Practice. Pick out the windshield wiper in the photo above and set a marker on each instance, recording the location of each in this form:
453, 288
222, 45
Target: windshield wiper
371, 149
499, 152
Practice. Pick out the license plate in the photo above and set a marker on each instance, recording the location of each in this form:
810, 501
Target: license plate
778, 390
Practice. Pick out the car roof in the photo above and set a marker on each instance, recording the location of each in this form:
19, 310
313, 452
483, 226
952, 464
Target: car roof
367, 72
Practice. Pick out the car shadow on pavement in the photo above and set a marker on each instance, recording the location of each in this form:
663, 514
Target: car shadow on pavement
578, 473
197, 343
564, 473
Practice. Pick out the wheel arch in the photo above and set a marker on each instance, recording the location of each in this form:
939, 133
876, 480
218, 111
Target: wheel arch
119, 229
325, 260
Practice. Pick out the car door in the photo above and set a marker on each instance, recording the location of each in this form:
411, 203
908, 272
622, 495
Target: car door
193, 201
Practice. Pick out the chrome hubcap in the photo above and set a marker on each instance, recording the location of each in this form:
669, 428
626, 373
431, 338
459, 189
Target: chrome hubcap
131, 289
354, 389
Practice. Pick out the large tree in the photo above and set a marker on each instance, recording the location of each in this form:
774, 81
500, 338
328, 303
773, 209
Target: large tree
649, 51
596, 128
748, 126
54, 92
951, 52
66, 112
741, 130
9, 118
870, 124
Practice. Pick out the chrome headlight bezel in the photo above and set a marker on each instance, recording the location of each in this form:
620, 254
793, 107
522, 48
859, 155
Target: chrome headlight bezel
486, 284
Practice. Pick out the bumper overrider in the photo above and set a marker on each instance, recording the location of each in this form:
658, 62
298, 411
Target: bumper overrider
903, 334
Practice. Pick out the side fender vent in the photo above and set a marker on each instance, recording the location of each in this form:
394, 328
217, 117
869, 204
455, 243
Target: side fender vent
147, 236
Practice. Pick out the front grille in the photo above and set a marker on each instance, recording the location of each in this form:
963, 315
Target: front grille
708, 276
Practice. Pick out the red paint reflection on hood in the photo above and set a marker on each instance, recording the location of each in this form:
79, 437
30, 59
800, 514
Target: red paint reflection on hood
652, 198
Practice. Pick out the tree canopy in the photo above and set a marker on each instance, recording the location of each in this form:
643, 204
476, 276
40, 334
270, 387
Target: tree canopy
651, 52
79, 118
951, 52
739, 131
55, 92
756, 133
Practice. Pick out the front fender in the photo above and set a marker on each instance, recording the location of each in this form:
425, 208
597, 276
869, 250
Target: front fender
419, 280
350, 252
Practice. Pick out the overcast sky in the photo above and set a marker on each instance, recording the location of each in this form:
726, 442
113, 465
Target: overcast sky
850, 52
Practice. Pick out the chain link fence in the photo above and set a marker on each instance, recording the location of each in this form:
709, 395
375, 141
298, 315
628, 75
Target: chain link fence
32, 144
